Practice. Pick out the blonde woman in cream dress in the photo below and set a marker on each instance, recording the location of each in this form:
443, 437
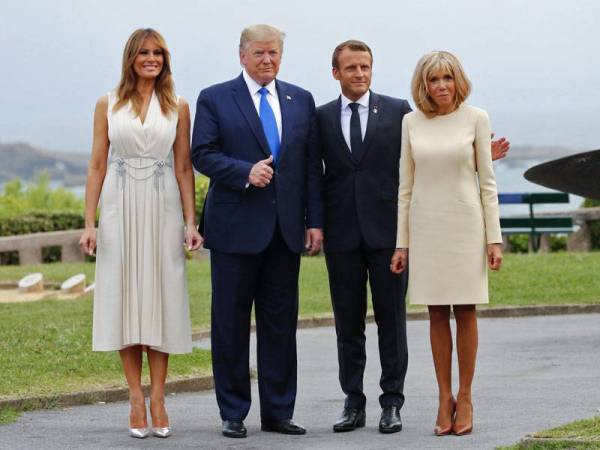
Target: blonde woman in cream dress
448, 223
145, 190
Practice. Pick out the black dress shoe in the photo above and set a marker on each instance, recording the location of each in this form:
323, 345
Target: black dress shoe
234, 429
350, 420
286, 426
390, 421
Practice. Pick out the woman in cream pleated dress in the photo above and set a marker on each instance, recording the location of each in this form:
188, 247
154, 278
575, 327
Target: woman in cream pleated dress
145, 190
448, 223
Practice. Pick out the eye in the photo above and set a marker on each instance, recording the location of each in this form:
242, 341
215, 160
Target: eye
144, 52
447, 77
433, 79
158, 52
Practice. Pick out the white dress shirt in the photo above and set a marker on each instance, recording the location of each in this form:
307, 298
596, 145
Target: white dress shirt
363, 111
272, 98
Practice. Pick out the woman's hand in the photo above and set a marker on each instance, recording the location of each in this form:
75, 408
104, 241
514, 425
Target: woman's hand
399, 260
494, 255
88, 241
193, 239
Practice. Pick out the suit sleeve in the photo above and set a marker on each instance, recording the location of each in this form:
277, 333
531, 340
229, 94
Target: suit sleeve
407, 175
314, 171
487, 179
207, 154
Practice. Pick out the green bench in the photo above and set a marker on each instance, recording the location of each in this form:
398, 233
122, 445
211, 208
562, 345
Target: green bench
535, 226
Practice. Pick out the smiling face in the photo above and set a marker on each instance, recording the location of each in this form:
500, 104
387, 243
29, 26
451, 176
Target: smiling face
442, 90
353, 72
149, 60
261, 60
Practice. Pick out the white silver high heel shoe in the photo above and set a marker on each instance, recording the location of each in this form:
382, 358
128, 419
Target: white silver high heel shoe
139, 433
161, 432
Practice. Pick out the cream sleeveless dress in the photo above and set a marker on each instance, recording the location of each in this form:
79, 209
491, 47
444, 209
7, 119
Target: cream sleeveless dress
141, 292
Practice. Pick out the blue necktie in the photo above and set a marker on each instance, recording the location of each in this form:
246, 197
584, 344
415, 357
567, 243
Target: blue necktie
269, 123
356, 142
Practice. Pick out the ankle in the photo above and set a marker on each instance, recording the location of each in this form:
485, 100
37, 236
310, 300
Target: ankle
463, 397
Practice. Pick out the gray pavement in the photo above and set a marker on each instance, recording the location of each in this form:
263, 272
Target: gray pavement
533, 373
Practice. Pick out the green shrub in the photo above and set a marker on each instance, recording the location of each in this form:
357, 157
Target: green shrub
38, 222
558, 242
518, 243
594, 226
18, 198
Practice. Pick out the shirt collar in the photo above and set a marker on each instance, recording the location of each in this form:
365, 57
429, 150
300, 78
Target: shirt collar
363, 101
254, 87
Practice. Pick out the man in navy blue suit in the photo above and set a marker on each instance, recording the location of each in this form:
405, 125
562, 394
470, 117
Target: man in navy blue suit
255, 138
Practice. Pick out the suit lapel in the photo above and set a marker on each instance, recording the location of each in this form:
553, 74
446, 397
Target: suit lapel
336, 117
374, 114
286, 106
242, 97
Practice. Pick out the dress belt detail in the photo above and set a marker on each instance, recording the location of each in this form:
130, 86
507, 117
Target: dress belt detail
123, 165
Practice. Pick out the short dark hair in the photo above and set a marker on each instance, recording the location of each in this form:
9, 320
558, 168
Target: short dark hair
352, 44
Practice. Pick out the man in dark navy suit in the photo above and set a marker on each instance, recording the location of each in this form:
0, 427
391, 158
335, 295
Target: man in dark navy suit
360, 135
255, 138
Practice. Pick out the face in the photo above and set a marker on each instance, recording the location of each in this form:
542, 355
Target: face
261, 60
149, 60
353, 73
440, 86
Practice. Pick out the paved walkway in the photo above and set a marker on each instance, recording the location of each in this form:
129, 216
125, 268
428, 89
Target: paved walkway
533, 373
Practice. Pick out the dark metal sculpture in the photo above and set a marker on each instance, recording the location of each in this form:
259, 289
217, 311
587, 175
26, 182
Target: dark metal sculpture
578, 174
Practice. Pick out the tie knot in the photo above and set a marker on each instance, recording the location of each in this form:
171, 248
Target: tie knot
353, 106
263, 91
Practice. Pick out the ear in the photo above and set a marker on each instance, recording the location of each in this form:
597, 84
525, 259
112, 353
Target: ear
336, 73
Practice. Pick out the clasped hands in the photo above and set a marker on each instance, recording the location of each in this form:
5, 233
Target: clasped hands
400, 258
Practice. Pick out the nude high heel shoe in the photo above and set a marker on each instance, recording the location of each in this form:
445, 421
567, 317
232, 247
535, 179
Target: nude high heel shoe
445, 431
463, 429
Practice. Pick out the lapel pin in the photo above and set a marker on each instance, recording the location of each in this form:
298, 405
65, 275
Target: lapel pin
288, 98
375, 110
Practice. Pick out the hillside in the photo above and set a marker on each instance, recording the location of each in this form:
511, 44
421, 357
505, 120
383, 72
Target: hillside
22, 160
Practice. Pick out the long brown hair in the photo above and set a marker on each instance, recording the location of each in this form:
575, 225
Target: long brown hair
163, 85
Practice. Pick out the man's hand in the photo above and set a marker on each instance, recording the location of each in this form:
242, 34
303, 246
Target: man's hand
261, 173
314, 239
500, 148
399, 260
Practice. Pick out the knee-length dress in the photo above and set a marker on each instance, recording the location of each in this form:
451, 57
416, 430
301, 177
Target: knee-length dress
141, 292
447, 206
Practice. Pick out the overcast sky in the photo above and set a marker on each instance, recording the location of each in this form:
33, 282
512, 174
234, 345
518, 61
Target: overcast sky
534, 63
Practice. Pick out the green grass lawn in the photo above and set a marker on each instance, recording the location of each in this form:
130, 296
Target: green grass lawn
45, 347
581, 434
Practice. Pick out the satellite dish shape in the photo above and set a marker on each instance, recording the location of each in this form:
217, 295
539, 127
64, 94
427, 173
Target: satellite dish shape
73, 285
577, 174
34, 282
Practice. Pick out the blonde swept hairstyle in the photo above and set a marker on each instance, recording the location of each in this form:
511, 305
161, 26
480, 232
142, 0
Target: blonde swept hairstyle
163, 85
426, 67
261, 33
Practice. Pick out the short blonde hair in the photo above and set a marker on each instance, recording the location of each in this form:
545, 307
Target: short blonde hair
426, 67
261, 33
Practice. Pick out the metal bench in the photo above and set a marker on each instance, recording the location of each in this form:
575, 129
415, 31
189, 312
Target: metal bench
535, 226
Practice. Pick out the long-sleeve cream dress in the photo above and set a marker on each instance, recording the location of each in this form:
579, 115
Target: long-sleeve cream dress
447, 206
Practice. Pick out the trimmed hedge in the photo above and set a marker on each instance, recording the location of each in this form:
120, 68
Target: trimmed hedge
38, 222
